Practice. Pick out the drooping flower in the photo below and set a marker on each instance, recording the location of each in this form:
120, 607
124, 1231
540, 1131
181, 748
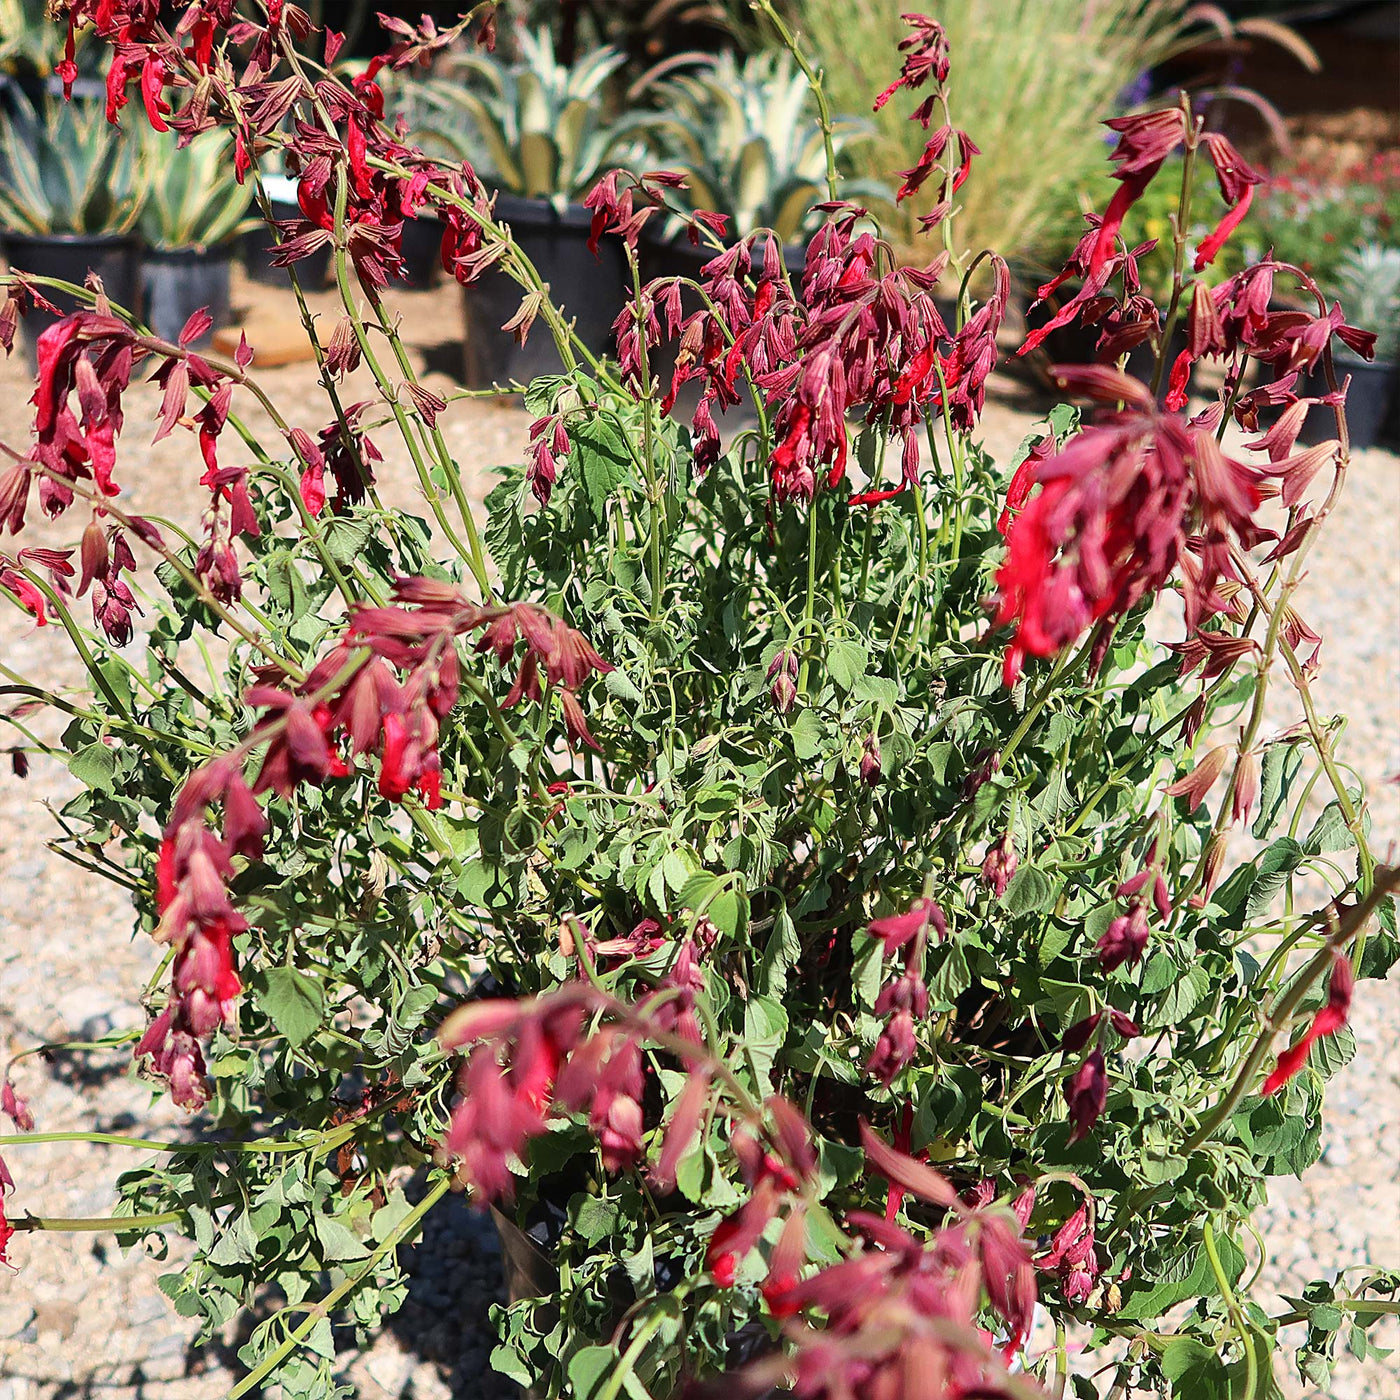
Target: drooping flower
1145, 140
1116, 509
1237, 181
1327, 1020
1086, 1091
999, 865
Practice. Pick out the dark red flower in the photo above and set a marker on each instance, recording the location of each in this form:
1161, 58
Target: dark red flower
1086, 1091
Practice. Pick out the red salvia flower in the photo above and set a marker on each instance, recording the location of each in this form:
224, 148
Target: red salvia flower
1237, 181
1328, 1020
1085, 1093
1144, 143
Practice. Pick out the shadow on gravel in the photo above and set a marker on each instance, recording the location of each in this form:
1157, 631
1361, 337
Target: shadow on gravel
454, 1276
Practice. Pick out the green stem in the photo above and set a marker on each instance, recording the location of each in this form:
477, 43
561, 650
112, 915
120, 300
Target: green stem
254, 1379
119, 1224
1183, 215
809, 605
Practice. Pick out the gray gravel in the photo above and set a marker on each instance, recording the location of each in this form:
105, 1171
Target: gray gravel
79, 1319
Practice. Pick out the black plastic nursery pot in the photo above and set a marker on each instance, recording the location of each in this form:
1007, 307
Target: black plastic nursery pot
591, 290
1373, 390
258, 245
70, 257
421, 250
177, 282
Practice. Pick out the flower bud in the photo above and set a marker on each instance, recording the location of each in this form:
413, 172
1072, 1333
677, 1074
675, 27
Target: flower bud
782, 672
1086, 1090
1246, 788
1124, 939
93, 555
1212, 862
1000, 865
870, 768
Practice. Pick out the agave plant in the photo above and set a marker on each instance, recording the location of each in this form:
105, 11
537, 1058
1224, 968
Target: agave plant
27, 39
536, 125
1369, 283
748, 140
193, 200
64, 169
430, 112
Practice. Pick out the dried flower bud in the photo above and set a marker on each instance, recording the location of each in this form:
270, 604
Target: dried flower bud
343, 351
16, 1108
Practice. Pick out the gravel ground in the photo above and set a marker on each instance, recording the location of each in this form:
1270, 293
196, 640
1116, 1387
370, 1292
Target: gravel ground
78, 1319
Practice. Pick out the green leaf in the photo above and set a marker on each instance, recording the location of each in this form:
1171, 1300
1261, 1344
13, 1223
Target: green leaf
94, 766
1029, 892
1280, 768
846, 663
587, 1369
1330, 832
1188, 1276
294, 1001
603, 460
729, 912
807, 735
780, 953
594, 1219
1195, 1369
339, 1243
346, 536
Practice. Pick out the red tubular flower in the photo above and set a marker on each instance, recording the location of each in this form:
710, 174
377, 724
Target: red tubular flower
1328, 1020
152, 81
6, 1229
1112, 519
1086, 1091
1237, 180
1144, 143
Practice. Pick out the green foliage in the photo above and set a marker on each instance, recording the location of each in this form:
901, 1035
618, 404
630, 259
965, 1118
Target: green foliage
713, 813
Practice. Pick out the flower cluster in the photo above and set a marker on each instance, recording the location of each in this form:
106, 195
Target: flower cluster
857, 336
530, 1060
353, 694
904, 1001
198, 919
1120, 506
900, 1317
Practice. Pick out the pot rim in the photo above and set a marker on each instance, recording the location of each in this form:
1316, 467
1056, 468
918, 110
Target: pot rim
71, 240
189, 253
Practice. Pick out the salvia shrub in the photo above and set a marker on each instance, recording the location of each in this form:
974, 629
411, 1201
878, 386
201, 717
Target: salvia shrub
773, 851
